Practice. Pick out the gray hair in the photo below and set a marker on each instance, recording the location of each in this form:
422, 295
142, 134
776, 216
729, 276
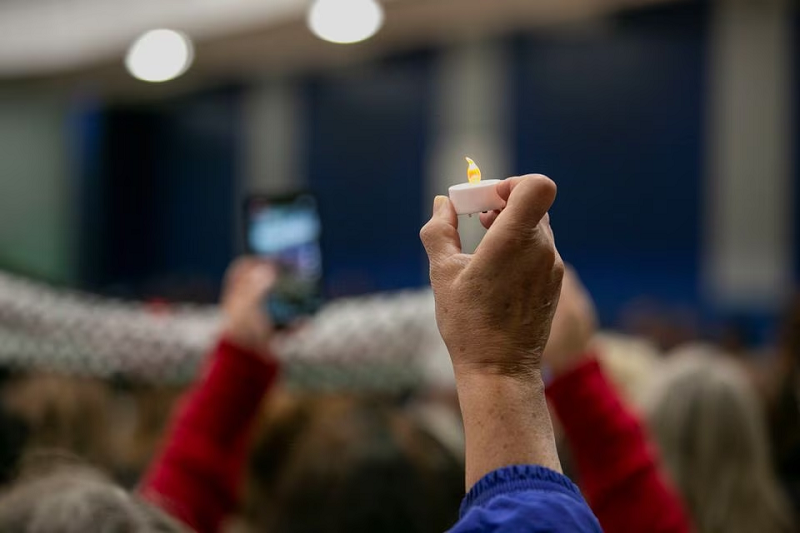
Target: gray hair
77, 500
707, 419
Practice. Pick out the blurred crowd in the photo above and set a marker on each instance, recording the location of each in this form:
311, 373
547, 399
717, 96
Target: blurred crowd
693, 437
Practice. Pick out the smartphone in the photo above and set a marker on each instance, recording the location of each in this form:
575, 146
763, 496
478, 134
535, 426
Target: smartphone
286, 229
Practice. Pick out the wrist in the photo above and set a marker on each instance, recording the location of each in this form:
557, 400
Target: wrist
478, 391
245, 343
506, 421
519, 365
512, 376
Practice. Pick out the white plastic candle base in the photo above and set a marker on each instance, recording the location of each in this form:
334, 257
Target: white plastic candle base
468, 198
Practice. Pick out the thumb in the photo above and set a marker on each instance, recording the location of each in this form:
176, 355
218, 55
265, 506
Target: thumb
529, 198
440, 235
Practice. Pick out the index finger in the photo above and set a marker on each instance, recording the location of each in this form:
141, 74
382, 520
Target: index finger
440, 235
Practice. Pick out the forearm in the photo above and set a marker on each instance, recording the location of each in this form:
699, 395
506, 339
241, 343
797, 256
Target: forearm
506, 422
196, 476
603, 433
617, 465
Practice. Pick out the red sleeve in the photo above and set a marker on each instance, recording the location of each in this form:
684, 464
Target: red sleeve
618, 468
196, 476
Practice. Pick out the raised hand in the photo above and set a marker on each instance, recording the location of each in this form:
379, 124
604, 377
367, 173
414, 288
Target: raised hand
494, 307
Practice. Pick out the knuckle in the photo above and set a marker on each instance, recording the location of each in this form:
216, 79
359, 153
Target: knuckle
547, 255
558, 267
436, 230
426, 233
548, 258
518, 238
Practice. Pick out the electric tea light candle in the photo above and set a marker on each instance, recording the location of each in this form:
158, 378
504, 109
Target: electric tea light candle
475, 196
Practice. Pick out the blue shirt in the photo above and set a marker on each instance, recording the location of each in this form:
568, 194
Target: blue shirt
525, 499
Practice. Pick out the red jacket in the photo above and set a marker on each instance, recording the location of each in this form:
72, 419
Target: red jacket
618, 468
197, 475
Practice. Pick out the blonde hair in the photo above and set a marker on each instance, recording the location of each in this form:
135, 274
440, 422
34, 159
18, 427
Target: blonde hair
706, 418
629, 362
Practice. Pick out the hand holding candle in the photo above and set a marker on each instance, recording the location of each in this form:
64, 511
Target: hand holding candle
494, 307
475, 196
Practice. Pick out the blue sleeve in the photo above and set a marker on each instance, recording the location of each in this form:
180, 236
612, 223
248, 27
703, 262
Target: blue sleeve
525, 499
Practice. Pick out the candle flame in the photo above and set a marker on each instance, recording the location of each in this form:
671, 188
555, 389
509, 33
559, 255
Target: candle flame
473, 172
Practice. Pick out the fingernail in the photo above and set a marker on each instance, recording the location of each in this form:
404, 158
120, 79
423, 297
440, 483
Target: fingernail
438, 203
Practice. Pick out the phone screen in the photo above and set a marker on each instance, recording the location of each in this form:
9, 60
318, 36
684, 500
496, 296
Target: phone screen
286, 230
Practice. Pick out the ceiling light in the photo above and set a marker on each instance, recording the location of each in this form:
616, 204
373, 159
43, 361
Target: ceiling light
159, 55
345, 21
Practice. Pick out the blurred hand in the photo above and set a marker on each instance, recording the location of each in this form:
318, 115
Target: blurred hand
494, 307
574, 325
247, 283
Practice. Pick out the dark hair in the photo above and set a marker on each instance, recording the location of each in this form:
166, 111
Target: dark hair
342, 464
784, 408
77, 500
62, 412
13, 438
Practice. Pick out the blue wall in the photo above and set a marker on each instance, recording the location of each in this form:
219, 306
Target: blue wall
168, 179
614, 115
367, 138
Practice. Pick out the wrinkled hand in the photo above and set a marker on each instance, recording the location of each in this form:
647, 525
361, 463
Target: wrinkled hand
574, 325
247, 283
494, 307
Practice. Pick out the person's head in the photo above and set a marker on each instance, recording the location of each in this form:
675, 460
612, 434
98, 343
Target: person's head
74, 499
341, 464
61, 412
13, 437
630, 363
707, 420
139, 427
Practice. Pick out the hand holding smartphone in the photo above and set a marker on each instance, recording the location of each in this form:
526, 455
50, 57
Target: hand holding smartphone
286, 230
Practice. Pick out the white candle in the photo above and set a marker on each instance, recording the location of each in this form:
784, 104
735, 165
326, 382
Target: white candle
475, 196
